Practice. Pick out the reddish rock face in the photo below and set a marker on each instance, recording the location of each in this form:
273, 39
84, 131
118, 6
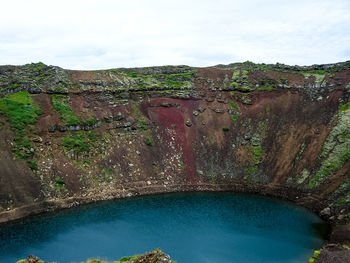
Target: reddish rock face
268, 129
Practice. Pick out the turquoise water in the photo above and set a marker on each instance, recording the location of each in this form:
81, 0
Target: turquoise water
191, 227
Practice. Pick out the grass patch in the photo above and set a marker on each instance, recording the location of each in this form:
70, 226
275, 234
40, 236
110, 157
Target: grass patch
148, 141
124, 259
232, 105
67, 115
80, 143
344, 107
142, 124
59, 180
22, 114
235, 118
251, 170
60, 185
257, 151
314, 257
178, 80
265, 88
89, 122
336, 149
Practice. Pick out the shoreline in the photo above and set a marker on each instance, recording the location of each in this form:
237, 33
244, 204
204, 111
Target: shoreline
50, 205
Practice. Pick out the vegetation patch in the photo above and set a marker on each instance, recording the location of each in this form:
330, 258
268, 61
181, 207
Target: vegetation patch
343, 200
235, 115
106, 174
303, 176
344, 107
265, 88
336, 149
60, 185
124, 259
67, 115
315, 256
318, 74
80, 142
148, 141
22, 114
257, 153
140, 81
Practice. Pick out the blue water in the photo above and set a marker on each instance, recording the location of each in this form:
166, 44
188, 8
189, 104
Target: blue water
191, 227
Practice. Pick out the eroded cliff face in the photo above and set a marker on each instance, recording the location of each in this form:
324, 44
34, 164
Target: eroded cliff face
69, 137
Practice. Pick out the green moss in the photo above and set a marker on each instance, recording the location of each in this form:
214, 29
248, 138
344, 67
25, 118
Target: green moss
22, 114
336, 149
244, 73
250, 170
315, 256
37, 66
284, 80
232, 105
346, 247
225, 129
14, 86
257, 151
67, 115
60, 185
265, 88
133, 74
89, 122
303, 176
180, 80
32, 165
80, 142
347, 87
77, 142
20, 110
344, 107
148, 141
236, 74
59, 180
318, 74
300, 152
124, 259
234, 85
343, 200
159, 81
235, 118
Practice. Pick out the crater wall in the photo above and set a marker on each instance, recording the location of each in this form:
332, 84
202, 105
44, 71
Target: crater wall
71, 137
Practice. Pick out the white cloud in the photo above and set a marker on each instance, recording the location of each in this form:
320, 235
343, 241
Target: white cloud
86, 34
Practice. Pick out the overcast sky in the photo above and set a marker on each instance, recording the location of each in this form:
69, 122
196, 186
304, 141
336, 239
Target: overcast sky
86, 34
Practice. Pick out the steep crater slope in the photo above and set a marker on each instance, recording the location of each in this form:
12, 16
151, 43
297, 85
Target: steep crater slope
71, 137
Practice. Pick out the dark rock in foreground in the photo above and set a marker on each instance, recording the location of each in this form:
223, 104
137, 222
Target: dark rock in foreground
155, 256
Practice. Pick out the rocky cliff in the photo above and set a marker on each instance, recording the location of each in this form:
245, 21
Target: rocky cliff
69, 137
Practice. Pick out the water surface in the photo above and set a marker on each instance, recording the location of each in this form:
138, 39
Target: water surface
191, 227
